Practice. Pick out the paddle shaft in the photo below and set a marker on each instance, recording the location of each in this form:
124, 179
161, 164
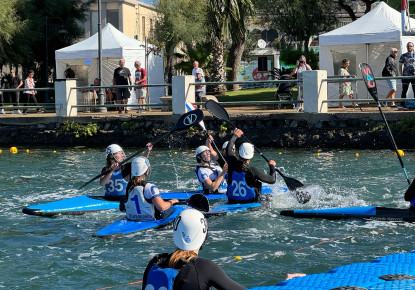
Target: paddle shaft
393, 142
214, 146
191, 107
370, 82
129, 158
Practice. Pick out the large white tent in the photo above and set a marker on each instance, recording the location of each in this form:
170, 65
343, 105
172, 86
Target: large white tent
83, 58
368, 39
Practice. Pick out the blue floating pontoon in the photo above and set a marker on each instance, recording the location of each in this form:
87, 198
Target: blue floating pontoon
391, 272
364, 212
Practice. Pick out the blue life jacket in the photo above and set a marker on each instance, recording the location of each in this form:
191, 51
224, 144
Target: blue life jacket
116, 185
161, 278
238, 189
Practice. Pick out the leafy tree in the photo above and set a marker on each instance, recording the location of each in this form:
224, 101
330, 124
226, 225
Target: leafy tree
350, 6
298, 20
180, 20
10, 23
200, 53
237, 24
217, 13
29, 47
227, 17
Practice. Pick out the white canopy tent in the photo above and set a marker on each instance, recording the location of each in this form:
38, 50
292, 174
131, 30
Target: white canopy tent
368, 39
83, 59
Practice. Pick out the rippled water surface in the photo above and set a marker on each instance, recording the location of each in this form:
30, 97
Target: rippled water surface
60, 252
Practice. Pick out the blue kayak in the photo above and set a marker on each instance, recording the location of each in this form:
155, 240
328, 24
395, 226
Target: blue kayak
362, 212
231, 208
185, 195
124, 227
73, 206
86, 204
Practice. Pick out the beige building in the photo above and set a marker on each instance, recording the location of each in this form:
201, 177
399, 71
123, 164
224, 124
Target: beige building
134, 18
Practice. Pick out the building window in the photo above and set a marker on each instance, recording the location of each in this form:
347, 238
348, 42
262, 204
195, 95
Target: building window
143, 28
94, 22
112, 17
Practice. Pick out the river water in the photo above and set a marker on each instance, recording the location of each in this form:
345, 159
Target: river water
61, 252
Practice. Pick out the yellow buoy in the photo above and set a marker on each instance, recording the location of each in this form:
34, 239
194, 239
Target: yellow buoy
318, 153
83, 152
357, 154
400, 153
175, 153
279, 153
238, 258
54, 151
13, 150
1, 151
27, 150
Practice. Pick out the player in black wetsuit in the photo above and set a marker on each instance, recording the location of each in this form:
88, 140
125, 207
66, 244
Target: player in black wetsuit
183, 268
244, 181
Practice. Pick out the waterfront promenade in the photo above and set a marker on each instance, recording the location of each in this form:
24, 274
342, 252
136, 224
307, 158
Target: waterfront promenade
391, 113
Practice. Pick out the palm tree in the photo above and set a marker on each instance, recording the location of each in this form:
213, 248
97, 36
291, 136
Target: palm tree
240, 11
200, 53
227, 16
217, 14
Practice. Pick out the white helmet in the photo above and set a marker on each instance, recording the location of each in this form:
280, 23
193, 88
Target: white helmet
246, 151
201, 149
112, 149
190, 230
139, 166
226, 145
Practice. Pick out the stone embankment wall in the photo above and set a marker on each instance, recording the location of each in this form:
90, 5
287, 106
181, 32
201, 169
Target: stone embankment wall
308, 131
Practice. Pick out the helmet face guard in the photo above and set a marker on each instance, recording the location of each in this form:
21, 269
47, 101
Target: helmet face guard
199, 150
113, 149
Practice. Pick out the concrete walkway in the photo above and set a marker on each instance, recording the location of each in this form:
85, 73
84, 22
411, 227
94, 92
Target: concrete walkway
237, 112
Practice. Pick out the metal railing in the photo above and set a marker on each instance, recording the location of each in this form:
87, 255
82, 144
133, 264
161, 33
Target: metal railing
330, 79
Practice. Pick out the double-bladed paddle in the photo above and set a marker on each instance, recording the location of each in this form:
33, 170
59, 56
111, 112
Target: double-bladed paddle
293, 184
191, 107
187, 120
369, 80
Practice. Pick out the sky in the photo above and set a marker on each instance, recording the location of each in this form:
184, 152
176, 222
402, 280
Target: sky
147, 1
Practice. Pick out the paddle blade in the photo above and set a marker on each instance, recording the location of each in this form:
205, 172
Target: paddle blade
369, 80
199, 202
217, 110
191, 107
189, 119
410, 192
301, 196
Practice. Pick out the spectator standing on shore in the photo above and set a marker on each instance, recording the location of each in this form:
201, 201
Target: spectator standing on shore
345, 87
300, 67
391, 70
407, 62
29, 83
2, 84
14, 82
200, 90
195, 68
69, 73
140, 79
91, 96
122, 77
